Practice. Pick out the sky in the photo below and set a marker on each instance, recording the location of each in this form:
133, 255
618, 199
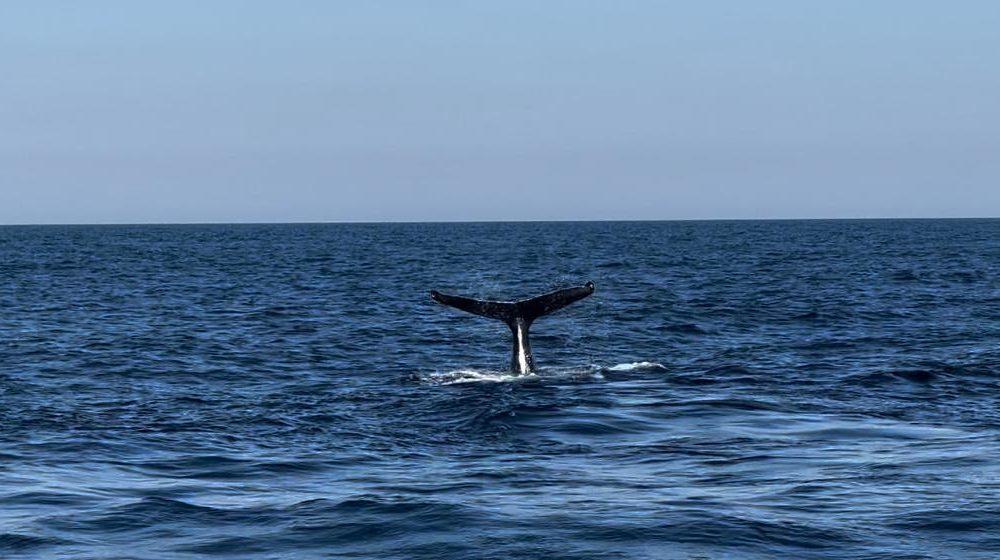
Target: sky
326, 111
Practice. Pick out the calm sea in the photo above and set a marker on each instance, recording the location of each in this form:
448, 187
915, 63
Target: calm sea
733, 390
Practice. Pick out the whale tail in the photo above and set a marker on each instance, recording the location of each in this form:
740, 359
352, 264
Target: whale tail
518, 315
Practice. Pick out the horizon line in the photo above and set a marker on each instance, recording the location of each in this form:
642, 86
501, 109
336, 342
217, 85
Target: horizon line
429, 222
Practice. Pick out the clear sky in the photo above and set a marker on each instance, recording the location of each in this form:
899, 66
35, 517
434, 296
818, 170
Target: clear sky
218, 111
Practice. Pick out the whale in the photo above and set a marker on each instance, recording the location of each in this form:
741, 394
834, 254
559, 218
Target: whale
518, 315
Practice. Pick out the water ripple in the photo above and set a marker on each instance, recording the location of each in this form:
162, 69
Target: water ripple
749, 390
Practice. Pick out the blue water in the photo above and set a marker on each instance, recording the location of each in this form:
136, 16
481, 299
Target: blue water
744, 390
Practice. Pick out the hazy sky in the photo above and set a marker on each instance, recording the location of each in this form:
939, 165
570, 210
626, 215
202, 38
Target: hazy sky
216, 111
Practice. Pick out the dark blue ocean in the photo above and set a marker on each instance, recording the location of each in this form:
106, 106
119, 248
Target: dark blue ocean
733, 390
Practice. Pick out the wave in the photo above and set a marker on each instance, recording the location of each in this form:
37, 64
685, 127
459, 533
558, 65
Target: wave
958, 520
20, 543
684, 328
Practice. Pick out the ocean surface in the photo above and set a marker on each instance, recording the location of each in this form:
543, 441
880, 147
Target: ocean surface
733, 390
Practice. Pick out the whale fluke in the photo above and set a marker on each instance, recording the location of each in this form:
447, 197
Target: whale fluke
518, 315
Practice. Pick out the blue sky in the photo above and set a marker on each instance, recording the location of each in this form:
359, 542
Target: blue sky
184, 111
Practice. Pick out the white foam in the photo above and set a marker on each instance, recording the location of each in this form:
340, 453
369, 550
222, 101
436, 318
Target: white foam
586, 373
474, 376
638, 366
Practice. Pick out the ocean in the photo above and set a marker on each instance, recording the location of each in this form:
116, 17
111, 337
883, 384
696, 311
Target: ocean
733, 390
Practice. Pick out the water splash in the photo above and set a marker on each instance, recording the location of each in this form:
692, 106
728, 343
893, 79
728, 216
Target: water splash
639, 366
591, 372
475, 376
